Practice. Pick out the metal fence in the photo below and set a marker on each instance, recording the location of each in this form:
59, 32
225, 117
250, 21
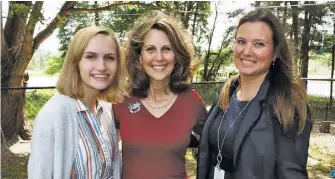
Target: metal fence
319, 98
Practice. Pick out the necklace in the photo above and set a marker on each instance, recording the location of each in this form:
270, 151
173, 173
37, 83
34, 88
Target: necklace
158, 106
219, 156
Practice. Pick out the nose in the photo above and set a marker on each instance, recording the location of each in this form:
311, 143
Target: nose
159, 55
247, 49
101, 64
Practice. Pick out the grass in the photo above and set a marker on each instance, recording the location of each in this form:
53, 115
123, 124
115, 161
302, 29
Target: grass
191, 165
14, 166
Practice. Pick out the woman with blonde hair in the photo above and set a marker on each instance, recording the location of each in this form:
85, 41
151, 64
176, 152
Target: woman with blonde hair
157, 121
74, 133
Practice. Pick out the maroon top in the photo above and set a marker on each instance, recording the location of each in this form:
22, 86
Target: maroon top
153, 147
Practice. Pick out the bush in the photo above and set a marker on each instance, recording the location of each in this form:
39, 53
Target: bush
208, 92
35, 100
54, 65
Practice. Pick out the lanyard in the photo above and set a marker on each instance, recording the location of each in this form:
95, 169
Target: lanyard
219, 156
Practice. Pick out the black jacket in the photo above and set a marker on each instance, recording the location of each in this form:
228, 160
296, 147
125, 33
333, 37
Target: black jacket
262, 150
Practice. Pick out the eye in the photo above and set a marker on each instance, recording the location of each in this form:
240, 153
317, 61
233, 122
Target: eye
239, 41
150, 49
259, 44
91, 57
110, 58
166, 49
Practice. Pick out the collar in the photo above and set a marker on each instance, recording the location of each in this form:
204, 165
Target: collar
262, 92
82, 107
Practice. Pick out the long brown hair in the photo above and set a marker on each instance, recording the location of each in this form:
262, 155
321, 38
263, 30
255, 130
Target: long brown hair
287, 94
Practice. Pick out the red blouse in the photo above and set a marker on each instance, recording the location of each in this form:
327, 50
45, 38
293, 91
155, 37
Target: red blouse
155, 148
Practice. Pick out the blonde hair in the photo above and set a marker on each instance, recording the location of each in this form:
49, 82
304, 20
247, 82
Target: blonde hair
70, 82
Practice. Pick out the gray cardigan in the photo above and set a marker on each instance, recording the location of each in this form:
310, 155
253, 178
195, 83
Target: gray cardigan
55, 141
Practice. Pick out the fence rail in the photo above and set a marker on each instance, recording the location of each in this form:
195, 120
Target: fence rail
323, 113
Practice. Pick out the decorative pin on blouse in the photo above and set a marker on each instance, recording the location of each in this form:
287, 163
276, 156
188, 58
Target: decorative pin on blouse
134, 108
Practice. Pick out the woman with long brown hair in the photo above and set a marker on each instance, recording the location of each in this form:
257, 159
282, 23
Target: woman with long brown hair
157, 121
260, 126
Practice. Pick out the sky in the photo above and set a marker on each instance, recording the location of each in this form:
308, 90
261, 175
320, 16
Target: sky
51, 8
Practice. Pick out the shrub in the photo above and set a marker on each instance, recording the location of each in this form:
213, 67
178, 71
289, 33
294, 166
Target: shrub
35, 100
54, 65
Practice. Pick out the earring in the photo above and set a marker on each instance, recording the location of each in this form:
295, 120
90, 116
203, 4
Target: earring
273, 63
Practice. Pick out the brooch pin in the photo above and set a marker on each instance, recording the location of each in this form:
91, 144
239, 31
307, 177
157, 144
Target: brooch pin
134, 108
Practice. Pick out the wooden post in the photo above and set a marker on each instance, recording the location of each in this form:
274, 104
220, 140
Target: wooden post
332, 74
325, 127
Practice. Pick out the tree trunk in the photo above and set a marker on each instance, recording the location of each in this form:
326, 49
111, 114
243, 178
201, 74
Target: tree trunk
18, 46
305, 45
96, 14
295, 33
195, 18
285, 15
205, 75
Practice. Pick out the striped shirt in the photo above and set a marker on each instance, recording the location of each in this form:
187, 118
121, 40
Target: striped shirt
97, 147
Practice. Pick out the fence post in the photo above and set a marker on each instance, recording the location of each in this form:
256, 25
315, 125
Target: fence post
332, 74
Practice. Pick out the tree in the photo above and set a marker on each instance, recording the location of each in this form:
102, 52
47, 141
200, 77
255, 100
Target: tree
193, 16
17, 48
214, 60
54, 65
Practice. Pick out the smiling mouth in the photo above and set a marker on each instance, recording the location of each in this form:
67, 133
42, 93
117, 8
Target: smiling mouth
100, 77
158, 67
247, 62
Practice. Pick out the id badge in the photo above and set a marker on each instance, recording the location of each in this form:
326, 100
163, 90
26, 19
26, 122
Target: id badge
218, 172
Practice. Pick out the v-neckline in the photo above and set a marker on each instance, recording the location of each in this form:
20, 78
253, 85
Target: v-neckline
164, 114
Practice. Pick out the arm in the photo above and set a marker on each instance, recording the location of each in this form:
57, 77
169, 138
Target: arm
117, 126
292, 152
40, 165
200, 122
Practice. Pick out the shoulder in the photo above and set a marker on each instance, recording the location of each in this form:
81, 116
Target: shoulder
57, 108
59, 102
191, 94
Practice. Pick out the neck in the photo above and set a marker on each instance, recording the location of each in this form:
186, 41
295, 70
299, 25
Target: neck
249, 86
90, 100
158, 89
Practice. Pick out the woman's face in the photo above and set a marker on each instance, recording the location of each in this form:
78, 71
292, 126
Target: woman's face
253, 49
98, 65
157, 56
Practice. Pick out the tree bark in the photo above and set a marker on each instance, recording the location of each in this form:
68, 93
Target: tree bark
295, 32
206, 60
96, 14
285, 15
17, 47
305, 45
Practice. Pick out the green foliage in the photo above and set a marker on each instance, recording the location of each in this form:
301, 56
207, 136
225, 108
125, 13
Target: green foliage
320, 107
18, 8
71, 25
33, 64
208, 92
122, 18
54, 65
217, 60
35, 100
318, 60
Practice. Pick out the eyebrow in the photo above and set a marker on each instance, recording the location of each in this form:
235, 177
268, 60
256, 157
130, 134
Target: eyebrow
96, 53
145, 46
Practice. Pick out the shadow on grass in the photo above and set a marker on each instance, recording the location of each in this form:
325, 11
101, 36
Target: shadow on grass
13, 166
